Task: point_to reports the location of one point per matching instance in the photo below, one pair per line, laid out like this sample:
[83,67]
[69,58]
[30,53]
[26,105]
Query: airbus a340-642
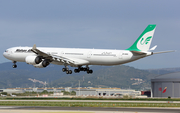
[41,57]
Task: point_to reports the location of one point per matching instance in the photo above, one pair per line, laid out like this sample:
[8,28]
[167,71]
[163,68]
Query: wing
[60,59]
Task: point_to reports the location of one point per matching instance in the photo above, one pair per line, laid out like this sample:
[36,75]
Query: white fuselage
[93,56]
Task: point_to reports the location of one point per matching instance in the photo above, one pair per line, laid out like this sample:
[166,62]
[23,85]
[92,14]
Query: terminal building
[107,92]
[79,91]
[167,85]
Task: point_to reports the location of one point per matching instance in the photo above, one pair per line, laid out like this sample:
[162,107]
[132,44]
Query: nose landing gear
[14,66]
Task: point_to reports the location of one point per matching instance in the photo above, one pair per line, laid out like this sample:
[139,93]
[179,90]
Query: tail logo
[145,41]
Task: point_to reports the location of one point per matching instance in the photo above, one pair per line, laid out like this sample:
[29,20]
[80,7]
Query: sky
[99,24]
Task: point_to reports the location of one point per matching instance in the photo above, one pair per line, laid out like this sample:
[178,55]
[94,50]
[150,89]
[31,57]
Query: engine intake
[37,61]
[45,63]
[42,64]
[32,60]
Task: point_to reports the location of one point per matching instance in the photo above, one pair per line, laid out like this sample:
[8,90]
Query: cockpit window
[6,50]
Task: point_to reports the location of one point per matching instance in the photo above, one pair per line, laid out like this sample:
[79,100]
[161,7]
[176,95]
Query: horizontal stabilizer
[163,52]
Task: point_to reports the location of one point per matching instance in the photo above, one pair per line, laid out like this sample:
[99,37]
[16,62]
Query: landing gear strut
[14,66]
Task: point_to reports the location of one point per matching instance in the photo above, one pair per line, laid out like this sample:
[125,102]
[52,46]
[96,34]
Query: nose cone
[5,54]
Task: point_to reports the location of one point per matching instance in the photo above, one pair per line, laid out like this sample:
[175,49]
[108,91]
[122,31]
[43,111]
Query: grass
[131,99]
[86,104]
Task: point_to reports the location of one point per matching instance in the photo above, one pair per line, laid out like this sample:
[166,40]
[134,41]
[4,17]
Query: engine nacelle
[43,64]
[33,60]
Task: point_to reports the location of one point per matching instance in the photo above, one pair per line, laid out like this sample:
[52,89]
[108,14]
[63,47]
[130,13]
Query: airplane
[41,57]
[3,95]
[13,95]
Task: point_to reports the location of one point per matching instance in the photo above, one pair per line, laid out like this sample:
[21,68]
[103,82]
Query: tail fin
[144,41]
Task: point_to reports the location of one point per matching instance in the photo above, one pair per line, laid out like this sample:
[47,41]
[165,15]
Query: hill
[163,70]
[18,77]
[103,76]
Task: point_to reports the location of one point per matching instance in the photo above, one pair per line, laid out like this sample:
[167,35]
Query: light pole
[79,87]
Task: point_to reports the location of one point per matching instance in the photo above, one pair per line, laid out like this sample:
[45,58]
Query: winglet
[34,47]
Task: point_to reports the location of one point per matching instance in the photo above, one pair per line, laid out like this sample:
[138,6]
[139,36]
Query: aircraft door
[89,54]
[62,53]
[120,55]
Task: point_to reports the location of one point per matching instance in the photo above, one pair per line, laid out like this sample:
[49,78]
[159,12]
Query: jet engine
[42,64]
[33,60]
[37,61]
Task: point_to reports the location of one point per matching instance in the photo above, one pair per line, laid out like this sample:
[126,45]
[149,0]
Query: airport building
[90,91]
[107,92]
[38,90]
[167,85]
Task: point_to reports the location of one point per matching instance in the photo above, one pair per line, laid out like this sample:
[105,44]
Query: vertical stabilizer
[144,41]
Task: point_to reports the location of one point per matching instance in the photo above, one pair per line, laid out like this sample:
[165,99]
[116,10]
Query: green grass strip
[131,99]
[86,104]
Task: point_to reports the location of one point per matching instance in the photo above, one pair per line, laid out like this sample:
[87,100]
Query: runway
[130,101]
[15,109]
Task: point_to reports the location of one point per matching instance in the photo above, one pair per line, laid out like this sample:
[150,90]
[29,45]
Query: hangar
[167,85]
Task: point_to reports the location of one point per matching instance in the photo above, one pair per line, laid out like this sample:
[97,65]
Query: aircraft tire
[14,66]
[70,72]
[76,70]
[67,72]
[91,71]
[63,69]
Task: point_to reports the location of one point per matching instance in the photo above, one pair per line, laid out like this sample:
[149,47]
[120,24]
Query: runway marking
[64,112]
[6,107]
[27,111]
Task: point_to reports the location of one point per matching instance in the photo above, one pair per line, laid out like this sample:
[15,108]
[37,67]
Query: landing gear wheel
[89,71]
[70,72]
[14,66]
[63,69]
[67,72]
[76,70]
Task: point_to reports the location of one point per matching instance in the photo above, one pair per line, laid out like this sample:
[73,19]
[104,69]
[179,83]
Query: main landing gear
[14,66]
[66,69]
[83,69]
